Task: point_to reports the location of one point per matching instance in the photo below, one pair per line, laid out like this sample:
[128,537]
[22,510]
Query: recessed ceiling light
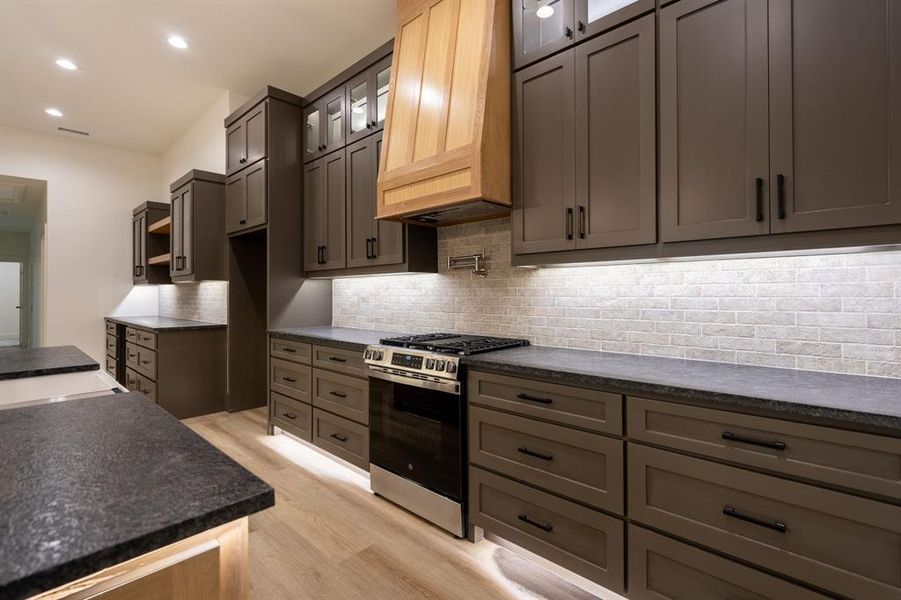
[544,12]
[176,41]
[53,112]
[65,63]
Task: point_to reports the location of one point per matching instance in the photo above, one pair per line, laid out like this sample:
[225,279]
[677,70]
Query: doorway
[13,314]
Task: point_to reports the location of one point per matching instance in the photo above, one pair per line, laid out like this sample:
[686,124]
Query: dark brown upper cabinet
[246,140]
[714,142]
[585,159]
[150,243]
[324,213]
[596,16]
[197,238]
[246,199]
[367,100]
[541,28]
[370,242]
[835,114]
[324,124]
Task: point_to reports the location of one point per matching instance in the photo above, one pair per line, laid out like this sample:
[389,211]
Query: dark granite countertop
[90,483]
[847,401]
[156,323]
[337,337]
[16,363]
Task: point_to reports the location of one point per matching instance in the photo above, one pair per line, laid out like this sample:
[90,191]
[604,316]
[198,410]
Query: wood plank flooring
[328,536]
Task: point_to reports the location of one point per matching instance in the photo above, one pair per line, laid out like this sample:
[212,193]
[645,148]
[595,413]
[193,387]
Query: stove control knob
[439,366]
[430,363]
[368,354]
[451,367]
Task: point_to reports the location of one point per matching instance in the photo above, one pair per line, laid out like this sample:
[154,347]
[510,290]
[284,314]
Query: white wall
[91,191]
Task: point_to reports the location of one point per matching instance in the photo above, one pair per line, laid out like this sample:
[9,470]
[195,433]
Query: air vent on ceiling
[12,193]
[75,131]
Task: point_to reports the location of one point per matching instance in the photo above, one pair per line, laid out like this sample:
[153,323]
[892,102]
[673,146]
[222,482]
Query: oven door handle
[448,387]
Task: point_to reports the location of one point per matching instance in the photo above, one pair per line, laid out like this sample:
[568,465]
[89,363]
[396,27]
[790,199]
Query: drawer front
[147,387]
[835,541]
[857,461]
[132,380]
[343,395]
[292,416]
[110,328]
[583,466]
[146,339]
[111,345]
[343,438]
[111,365]
[348,362]
[146,362]
[290,379]
[131,355]
[585,541]
[660,567]
[131,335]
[577,407]
[291,351]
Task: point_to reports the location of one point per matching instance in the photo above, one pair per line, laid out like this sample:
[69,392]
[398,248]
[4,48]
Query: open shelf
[164,225]
[162,259]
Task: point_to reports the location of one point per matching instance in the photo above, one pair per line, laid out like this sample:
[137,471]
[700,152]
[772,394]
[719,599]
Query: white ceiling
[135,91]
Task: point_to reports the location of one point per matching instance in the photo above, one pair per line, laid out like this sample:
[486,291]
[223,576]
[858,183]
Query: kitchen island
[111,497]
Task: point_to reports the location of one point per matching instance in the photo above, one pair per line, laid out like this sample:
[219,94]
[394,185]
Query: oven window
[415,433]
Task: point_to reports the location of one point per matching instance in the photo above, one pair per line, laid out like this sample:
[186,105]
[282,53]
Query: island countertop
[158,323]
[16,363]
[94,482]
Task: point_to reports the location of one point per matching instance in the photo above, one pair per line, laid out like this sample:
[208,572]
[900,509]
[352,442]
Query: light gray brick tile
[808,348]
[817,319]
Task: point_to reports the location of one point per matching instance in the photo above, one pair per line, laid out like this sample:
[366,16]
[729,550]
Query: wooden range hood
[446,151]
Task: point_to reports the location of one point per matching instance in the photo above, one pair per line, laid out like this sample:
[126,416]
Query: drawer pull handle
[534,399]
[289,415]
[291,350]
[775,445]
[290,379]
[339,437]
[543,526]
[338,394]
[337,359]
[535,453]
[145,362]
[775,525]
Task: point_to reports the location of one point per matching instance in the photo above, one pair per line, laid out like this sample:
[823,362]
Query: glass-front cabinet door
[333,106]
[595,16]
[380,80]
[540,28]
[359,124]
[312,134]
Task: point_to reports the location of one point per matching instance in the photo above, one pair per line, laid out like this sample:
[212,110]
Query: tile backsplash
[203,301]
[830,312]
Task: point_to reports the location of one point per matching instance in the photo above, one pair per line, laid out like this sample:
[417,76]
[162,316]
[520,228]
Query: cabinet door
[333,115]
[255,134]
[358,102]
[312,132]
[714,143]
[235,147]
[360,202]
[255,195]
[380,85]
[595,16]
[235,203]
[616,149]
[835,102]
[137,248]
[334,220]
[540,28]
[543,156]
[387,236]
[176,212]
[313,198]
[186,230]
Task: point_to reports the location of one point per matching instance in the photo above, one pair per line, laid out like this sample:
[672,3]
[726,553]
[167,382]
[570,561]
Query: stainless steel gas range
[417,422]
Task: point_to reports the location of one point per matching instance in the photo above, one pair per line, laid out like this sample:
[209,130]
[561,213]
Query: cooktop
[454,343]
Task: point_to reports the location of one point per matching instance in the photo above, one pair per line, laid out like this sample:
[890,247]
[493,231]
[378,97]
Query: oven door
[416,432]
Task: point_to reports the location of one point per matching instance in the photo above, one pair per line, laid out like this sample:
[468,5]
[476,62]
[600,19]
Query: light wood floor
[328,536]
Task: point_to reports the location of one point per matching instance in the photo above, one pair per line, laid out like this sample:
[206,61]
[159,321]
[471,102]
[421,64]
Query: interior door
[235,203]
[540,28]
[616,150]
[11,313]
[235,146]
[714,128]
[360,202]
[387,236]
[543,156]
[175,237]
[835,110]
[255,134]
[255,194]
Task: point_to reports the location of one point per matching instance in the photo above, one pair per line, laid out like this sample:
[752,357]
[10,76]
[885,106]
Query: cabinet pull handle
[774,525]
[569,223]
[534,399]
[758,183]
[568,32]
[374,253]
[338,394]
[324,254]
[288,349]
[775,445]
[243,221]
[581,26]
[337,359]
[368,248]
[339,437]
[581,221]
[543,526]
[289,379]
[289,415]
[780,192]
[535,453]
